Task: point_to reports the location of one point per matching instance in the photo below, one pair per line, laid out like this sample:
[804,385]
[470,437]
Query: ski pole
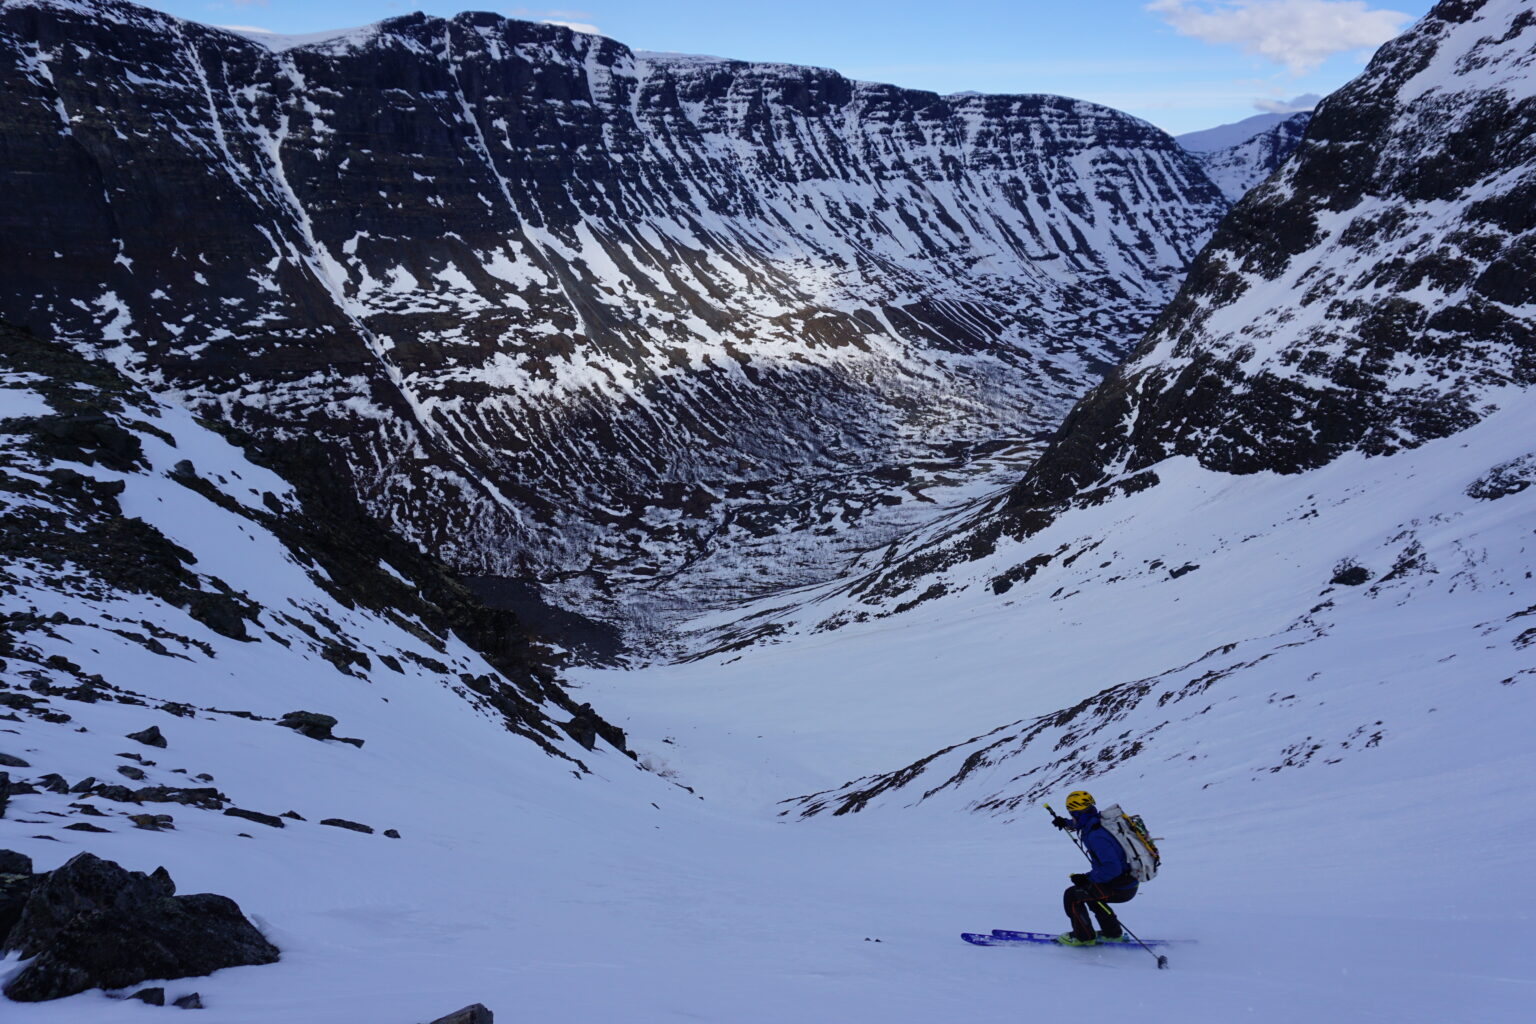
[1070,835]
[1162,961]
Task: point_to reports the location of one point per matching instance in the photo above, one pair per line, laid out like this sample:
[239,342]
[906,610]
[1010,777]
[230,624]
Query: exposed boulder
[150,737]
[587,726]
[84,883]
[1350,574]
[344,823]
[16,884]
[91,437]
[261,819]
[314,725]
[153,822]
[92,924]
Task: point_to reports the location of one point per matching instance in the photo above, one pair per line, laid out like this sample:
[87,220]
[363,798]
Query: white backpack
[1141,856]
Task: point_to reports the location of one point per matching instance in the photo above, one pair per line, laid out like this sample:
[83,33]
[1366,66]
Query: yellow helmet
[1079,799]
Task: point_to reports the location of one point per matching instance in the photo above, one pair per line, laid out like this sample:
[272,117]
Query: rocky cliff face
[563,309]
[1301,508]
[1377,293]
[149,562]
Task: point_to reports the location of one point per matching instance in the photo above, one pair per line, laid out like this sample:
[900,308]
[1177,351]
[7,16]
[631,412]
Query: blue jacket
[1108,859]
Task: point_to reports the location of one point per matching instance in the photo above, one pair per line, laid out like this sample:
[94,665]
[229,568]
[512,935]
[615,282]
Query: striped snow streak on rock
[560,308]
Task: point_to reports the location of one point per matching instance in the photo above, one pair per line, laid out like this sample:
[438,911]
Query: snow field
[1375,888]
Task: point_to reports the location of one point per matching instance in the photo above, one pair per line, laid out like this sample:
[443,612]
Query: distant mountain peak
[1225,136]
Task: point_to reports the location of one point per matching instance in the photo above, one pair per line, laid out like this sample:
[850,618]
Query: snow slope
[1320,891]
[1315,682]
[152,568]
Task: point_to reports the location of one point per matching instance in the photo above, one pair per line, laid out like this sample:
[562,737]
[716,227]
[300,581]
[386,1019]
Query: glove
[1065,824]
[1080,881]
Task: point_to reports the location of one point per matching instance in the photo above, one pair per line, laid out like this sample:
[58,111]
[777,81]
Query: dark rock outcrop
[475,1013]
[81,534]
[92,924]
[309,723]
[85,883]
[153,822]
[315,726]
[586,726]
[270,820]
[16,885]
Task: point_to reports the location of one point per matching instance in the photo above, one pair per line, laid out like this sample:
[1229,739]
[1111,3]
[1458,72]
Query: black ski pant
[1080,899]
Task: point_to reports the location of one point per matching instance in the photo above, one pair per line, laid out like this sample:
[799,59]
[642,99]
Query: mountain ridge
[565,313]
[1307,455]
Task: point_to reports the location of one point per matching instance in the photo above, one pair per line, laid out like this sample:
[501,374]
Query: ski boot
[1113,938]
[1068,939]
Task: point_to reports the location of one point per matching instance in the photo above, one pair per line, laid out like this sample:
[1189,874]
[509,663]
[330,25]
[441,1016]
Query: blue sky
[1181,64]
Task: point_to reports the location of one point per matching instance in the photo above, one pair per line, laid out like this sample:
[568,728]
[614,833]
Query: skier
[1108,881]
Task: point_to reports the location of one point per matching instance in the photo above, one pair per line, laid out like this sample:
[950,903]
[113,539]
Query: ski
[1006,937]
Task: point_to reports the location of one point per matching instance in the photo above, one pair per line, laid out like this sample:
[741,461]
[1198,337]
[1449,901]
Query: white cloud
[1306,101]
[1300,34]
[574,26]
[576,21]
